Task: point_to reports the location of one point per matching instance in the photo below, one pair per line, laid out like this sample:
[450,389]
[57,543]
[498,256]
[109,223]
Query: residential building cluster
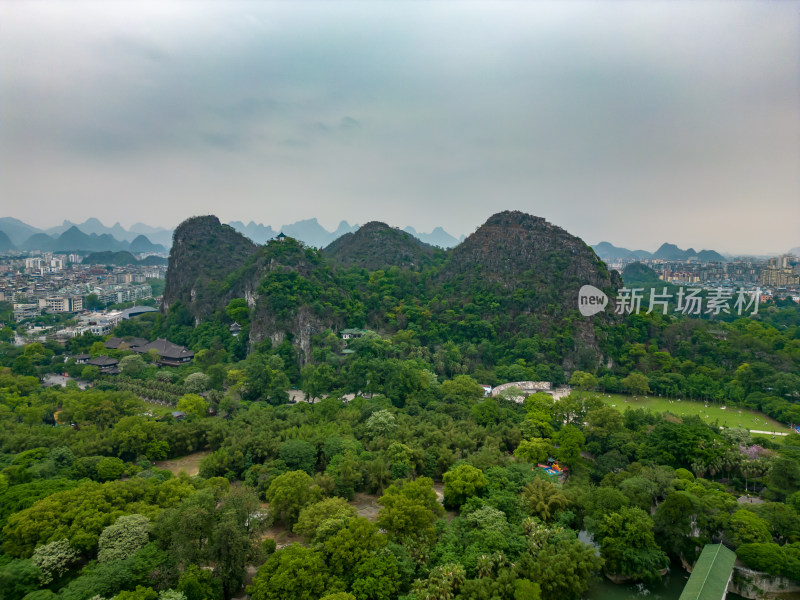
[52,283]
[778,276]
[96,323]
[781,272]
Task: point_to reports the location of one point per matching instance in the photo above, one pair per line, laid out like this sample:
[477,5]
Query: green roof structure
[711,574]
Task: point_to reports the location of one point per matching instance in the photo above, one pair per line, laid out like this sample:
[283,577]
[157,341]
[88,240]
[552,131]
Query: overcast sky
[632,122]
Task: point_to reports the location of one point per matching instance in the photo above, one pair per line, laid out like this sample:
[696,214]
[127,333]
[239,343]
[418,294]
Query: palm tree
[715,466]
[544,499]
[484,566]
[699,468]
[748,470]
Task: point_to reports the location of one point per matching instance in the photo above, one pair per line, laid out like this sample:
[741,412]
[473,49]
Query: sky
[631,122]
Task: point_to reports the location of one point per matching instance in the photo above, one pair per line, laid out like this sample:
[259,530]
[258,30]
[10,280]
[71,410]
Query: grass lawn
[728,417]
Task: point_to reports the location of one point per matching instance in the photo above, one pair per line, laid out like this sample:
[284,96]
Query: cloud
[633,122]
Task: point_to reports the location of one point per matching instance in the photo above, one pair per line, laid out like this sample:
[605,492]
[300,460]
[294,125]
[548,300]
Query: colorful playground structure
[553,468]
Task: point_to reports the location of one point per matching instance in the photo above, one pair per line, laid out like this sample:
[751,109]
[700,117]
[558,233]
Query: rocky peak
[204,252]
[376,245]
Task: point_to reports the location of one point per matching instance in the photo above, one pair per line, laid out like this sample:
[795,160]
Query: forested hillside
[376,467]
[515,278]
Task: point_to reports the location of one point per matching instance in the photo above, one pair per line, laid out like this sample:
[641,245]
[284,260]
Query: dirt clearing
[190,463]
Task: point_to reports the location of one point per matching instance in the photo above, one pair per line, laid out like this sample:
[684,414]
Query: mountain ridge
[375,245]
[666,251]
[517,275]
[76,240]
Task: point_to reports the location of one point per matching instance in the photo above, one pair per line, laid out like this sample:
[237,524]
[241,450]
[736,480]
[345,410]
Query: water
[669,588]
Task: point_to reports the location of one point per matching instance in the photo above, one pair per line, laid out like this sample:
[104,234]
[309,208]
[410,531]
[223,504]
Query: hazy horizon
[635,123]
[331,227]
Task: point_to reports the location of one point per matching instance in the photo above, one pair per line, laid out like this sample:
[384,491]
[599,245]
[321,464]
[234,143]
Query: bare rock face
[204,253]
[376,245]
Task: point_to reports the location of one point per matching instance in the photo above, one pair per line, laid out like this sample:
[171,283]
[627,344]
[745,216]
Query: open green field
[730,416]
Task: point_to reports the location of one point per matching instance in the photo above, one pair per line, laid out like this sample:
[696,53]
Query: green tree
[317,380]
[199,584]
[462,389]
[18,578]
[461,483]
[636,384]
[90,373]
[784,476]
[294,573]
[353,544]
[132,365]
[192,404]
[486,412]
[628,545]
[196,383]
[544,499]
[97,349]
[376,578]
[238,311]
[766,557]
[673,523]
[110,468]
[381,423]
[229,551]
[583,381]
[80,514]
[409,510]
[140,593]
[289,493]
[563,566]
[443,582]
[109,578]
[641,491]
[265,379]
[92,302]
[298,455]
[570,442]
[534,451]
[314,515]
[128,534]
[186,530]
[604,422]
[745,527]
[54,560]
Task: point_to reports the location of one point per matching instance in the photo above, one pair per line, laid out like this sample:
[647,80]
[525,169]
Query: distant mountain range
[16,235]
[609,252]
[437,237]
[89,236]
[92,235]
[310,232]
